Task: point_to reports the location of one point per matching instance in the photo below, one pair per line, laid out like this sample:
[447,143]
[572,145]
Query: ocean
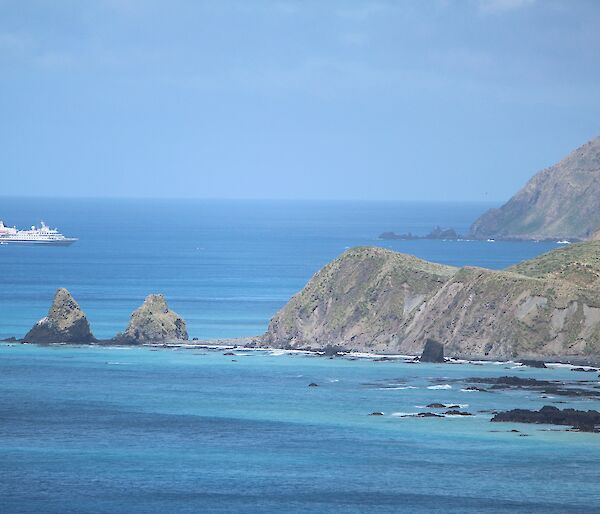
[147,430]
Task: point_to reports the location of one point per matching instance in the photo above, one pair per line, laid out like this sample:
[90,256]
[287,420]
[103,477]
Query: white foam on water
[441,386]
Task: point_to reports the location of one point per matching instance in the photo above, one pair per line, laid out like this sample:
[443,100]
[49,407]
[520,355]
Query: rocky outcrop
[432,352]
[153,322]
[371,299]
[560,202]
[579,419]
[65,323]
[359,301]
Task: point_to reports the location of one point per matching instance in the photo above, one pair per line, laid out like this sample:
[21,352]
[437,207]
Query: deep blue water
[154,431]
[225,266]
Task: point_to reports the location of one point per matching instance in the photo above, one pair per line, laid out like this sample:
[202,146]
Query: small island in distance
[438,232]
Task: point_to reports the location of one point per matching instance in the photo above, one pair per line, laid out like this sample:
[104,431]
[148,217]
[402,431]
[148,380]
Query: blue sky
[392,100]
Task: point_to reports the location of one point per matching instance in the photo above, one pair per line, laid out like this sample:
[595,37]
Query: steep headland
[560,202]
[370,299]
[358,301]
[65,323]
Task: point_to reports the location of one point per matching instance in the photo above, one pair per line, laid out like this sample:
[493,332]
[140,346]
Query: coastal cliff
[65,323]
[370,299]
[560,202]
[359,301]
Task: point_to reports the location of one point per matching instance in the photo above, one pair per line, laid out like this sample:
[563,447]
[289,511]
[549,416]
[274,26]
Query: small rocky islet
[152,322]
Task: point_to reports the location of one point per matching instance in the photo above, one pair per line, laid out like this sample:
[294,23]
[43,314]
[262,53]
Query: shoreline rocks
[586,421]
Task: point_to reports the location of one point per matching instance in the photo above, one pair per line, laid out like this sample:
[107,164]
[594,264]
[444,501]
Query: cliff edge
[371,299]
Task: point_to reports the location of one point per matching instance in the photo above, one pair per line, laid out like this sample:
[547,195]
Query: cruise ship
[42,236]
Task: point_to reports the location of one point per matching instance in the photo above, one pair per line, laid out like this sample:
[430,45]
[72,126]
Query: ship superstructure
[36,235]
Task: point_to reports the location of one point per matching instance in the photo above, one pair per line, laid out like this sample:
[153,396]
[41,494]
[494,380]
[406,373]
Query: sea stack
[433,351]
[65,323]
[154,322]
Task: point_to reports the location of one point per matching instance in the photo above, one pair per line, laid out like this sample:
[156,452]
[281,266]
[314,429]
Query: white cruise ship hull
[41,242]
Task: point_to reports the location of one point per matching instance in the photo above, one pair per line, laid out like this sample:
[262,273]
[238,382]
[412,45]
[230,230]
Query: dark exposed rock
[436,406]
[153,322]
[437,233]
[428,415]
[543,386]
[533,363]
[229,354]
[376,414]
[331,350]
[433,351]
[456,413]
[65,323]
[313,384]
[582,420]
[585,370]
[510,381]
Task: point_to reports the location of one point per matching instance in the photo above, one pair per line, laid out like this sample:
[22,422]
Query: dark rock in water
[585,370]
[437,233]
[153,322]
[457,413]
[312,384]
[229,353]
[543,386]
[333,350]
[429,415]
[510,381]
[376,414]
[433,351]
[65,323]
[436,406]
[585,421]
[533,363]
[385,359]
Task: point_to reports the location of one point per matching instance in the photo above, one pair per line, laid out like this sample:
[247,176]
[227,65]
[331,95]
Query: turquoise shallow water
[138,430]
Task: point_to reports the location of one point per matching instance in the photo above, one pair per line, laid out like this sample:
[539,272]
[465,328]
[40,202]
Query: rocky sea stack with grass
[65,323]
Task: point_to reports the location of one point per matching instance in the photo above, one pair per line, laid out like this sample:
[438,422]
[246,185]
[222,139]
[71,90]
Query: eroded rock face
[65,323]
[359,301]
[371,299]
[154,322]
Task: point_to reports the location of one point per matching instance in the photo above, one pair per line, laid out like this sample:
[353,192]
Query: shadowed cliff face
[65,323]
[560,202]
[372,299]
